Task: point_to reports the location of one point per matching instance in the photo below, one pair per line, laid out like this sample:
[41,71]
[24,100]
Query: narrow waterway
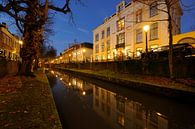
[84,103]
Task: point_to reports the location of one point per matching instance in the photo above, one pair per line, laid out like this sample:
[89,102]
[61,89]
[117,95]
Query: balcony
[121,45]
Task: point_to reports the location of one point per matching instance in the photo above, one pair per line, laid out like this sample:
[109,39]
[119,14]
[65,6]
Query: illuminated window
[139,36]
[121,24]
[138,52]
[96,57]
[121,38]
[97,37]
[139,16]
[153,9]
[108,45]
[121,119]
[154,47]
[97,48]
[154,31]
[102,47]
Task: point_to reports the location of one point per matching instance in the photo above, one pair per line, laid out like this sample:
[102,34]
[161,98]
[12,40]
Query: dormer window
[120,6]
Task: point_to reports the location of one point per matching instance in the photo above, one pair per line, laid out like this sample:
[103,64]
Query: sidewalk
[27,103]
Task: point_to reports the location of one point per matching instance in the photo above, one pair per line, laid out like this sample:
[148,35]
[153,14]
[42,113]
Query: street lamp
[146,28]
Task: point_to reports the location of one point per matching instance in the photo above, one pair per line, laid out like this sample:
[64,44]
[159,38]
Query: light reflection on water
[115,107]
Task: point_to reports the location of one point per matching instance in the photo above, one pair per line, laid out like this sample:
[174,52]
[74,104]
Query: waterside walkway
[27,103]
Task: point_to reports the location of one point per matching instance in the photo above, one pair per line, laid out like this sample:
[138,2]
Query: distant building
[121,36]
[9,44]
[81,52]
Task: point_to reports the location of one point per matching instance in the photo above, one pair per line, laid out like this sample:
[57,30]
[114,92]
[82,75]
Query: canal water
[84,103]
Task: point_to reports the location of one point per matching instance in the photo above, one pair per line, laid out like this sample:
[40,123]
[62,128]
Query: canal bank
[27,103]
[157,85]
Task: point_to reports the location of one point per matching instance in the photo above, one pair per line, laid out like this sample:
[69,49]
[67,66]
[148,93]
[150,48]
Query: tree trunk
[170,57]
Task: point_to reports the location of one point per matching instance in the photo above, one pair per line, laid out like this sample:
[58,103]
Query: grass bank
[27,103]
[154,84]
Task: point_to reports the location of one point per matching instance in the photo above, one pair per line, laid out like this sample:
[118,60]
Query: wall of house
[129,13]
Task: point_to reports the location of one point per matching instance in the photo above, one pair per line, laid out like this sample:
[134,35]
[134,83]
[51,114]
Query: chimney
[3,24]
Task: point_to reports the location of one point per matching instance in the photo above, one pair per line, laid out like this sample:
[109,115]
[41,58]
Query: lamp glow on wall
[146,29]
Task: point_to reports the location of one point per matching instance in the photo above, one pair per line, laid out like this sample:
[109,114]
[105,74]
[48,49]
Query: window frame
[121,24]
[154,31]
[121,37]
[139,32]
[139,16]
[97,37]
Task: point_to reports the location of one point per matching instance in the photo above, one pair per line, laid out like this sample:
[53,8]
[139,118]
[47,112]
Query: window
[121,38]
[108,31]
[108,45]
[138,52]
[96,57]
[154,47]
[139,16]
[102,34]
[139,36]
[102,47]
[97,48]
[153,9]
[121,24]
[154,31]
[97,37]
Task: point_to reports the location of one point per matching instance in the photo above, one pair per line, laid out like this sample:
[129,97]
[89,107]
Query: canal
[84,103]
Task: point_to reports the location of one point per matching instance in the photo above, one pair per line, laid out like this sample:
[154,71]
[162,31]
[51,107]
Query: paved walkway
[27,103]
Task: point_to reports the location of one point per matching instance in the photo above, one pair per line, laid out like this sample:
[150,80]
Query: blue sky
[89,16]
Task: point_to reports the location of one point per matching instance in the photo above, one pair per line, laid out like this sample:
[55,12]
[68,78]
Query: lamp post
[146,28]
[145,61]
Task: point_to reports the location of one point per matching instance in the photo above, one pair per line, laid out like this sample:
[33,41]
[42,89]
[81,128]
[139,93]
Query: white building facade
[121,36]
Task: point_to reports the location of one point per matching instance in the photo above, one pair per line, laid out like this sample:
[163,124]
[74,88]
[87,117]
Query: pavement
[27,103]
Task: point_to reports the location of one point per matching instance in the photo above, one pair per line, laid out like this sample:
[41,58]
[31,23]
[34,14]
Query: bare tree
[30,17]
[168,7]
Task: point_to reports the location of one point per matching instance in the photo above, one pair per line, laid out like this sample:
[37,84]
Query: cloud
[83,30]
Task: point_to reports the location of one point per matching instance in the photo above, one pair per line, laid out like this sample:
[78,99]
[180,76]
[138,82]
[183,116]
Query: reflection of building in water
[122,113]
[75,83]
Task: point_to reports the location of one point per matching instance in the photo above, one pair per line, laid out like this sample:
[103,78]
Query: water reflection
[121,108]
[122,113]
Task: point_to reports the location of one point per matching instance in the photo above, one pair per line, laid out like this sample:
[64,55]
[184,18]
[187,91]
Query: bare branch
[65,9]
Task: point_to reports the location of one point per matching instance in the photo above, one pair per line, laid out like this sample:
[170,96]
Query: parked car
[181,50]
